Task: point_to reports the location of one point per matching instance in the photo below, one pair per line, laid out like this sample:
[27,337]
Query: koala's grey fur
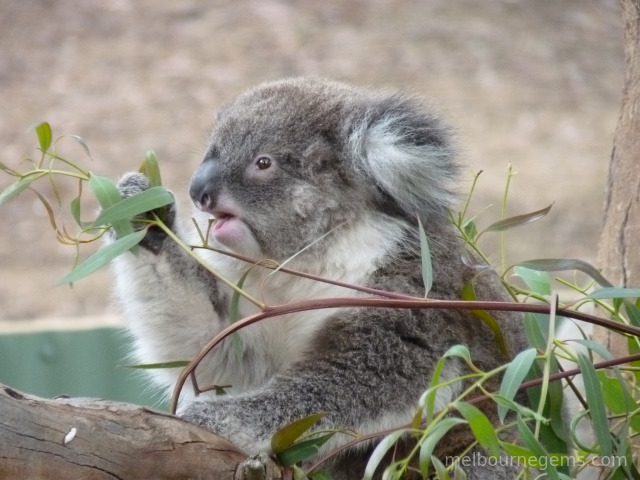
[361,165]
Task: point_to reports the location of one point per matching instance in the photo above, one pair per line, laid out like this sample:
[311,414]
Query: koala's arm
[170,300]
[361,371]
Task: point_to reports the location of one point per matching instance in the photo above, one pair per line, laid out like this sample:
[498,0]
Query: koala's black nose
[204,185]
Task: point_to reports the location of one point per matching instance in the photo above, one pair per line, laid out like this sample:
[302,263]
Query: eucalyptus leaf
[151,169]
[380,451]
[532,443]
[425,255]
[564,264]
[481,428]
[429,443]
[459,351]
[519,220]
[617,399]
[469,294]
[82,143]
[301,451]
[537,281]
[612,292]
[595,400]
[287,435]
[108,195]
[16,188]
[43,130]
[234,314]
[513,377]
[126,209]
[430,395]
[152,366]
[103,256]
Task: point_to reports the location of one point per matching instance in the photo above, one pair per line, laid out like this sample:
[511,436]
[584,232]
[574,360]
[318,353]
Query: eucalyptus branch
[272,265]
[262,306]
[306,305]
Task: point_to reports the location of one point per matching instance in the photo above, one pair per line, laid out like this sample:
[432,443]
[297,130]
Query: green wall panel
[78,363]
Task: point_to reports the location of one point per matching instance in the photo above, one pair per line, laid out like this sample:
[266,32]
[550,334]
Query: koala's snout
[204,186]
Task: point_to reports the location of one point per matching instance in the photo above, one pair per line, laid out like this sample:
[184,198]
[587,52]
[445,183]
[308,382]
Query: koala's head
[290,160]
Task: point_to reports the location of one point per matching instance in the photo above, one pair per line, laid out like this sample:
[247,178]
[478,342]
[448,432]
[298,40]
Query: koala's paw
[257,467]
[134,183]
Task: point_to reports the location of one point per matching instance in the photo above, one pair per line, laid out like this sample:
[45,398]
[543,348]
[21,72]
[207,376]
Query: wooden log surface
[97,439]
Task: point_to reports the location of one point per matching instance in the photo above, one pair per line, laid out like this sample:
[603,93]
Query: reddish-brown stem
[277,310]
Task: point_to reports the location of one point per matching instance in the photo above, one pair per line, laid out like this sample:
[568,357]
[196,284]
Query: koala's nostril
[205,185]
[205,201]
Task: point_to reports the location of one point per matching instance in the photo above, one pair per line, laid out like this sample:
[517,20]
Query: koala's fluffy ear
[406,152]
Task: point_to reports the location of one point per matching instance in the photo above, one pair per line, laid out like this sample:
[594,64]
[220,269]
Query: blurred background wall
[534,82]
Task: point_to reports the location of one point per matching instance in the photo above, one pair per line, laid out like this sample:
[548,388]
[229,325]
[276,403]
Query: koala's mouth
[220,219]
[227,228]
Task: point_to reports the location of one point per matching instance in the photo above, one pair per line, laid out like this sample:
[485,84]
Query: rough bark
[95,439]
[619,252]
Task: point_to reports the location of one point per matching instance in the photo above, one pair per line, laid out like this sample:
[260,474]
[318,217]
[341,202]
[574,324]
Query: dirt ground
[534,83]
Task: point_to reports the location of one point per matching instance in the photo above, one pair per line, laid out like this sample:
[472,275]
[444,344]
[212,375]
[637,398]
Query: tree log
[97,439]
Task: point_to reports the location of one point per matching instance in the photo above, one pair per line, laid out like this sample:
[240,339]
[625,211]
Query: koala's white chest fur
[177,327]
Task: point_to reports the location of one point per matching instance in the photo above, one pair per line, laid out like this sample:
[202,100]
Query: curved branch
[273,311]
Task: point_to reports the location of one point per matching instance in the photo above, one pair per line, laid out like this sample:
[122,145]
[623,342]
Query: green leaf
[617,398]
[425,255]
[595,400]
[518,220]
[563,264]
[611,292]
[16,188]
[459,351]
[513,377]
[430,395]
[302,450]
[470,230]
[536,328]
[152,366]
[128,208]
[107,195]
[429,443]
[75,212]
[481,428]
[536,280]
[469,294]
[43,131]
[150,169]
[458,473]
[318,475]
[441,470]
[234,314]
[380,451]
[287,435]
[537,449]
[103,256]
[521,409]
[520,453]
[82,143]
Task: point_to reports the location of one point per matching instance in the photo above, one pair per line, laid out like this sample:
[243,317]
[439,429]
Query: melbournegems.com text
[478,459]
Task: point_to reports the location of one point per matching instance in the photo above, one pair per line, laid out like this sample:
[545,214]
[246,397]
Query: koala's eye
[263,162]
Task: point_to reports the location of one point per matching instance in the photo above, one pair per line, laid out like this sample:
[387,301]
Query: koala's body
[335,177]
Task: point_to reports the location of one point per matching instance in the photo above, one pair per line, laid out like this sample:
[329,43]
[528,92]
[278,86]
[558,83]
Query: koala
[332,179]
